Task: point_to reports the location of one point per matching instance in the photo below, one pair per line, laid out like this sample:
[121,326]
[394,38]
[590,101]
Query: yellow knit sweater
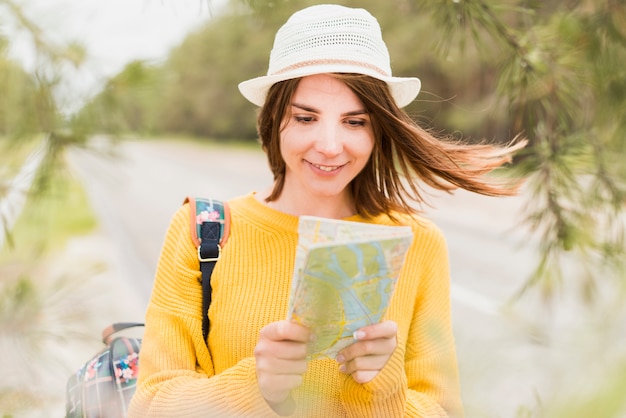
[180,377]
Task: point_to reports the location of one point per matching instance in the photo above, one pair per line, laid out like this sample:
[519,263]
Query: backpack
[104,385]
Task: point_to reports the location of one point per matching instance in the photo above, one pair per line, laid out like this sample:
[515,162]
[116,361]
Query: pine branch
[546,85]
[73,54]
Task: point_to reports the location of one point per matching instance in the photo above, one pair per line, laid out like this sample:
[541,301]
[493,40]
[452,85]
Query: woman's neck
[335,207]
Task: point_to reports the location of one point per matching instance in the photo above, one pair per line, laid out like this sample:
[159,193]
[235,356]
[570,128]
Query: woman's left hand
[368,355]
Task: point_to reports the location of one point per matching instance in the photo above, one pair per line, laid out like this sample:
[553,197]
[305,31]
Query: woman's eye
[356,122]
[304,119]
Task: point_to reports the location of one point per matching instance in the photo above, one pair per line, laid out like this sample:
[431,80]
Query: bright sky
[115,32]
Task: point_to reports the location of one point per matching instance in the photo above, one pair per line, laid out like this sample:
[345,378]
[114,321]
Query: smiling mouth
[327,168]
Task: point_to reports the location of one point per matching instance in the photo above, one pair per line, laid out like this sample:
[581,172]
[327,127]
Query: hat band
[312,63]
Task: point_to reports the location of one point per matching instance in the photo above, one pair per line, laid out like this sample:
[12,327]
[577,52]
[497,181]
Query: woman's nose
[329,141]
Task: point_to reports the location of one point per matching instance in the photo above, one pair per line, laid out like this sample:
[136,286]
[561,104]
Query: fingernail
[342,368]
[340,358]
[358,335]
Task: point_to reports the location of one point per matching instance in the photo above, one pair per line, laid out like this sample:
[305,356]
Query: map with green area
[343,284]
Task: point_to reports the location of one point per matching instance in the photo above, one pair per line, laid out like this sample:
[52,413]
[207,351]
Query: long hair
[404,154]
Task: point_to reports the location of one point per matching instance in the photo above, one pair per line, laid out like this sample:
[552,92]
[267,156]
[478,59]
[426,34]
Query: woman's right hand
[281,361]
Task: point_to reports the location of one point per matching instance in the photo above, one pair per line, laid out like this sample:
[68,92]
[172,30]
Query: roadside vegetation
[43,308]
[51,217]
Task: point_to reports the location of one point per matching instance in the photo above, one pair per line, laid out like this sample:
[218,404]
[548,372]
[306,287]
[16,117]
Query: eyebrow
[314,110]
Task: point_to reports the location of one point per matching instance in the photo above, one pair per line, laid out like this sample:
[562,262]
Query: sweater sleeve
[176,374]
[421,378]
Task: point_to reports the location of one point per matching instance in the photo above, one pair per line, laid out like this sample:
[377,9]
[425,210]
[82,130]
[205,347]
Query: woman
[339,147]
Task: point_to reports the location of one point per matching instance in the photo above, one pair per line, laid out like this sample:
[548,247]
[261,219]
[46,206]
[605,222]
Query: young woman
[339,147]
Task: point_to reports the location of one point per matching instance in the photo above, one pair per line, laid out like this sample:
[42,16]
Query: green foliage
[195,91]
[551,71]
[41,310]
[32,104]
[129,102]
[51,217]
[209,63]
[25,105]
[31,101]
[564,90]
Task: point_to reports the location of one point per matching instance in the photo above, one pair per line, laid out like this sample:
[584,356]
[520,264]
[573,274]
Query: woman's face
[327,139]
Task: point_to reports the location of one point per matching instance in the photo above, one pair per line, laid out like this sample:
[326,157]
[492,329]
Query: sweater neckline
[268,216]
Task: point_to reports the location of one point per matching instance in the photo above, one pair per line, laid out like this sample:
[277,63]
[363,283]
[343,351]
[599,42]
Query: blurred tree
[128,102]
[31,104]
[34,313]
[201,98]
[550,70]
[563,81]
[19,92]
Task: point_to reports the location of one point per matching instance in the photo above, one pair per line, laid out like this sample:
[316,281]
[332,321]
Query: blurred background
[112,112]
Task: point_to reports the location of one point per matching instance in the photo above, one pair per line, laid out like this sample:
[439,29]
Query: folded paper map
[344,276]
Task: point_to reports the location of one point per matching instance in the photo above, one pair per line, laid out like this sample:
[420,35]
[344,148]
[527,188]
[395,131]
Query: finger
[380,346]
[385,329]
[365,363]
[280,366]
[364,376]
[286,331]
[287,350]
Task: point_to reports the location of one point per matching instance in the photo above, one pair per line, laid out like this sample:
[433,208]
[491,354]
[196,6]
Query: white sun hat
[330,39]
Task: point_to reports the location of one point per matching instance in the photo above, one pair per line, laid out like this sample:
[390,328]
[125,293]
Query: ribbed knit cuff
[256,406]
[385,395]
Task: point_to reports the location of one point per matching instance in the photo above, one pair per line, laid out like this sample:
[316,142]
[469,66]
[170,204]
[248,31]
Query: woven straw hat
[330,39]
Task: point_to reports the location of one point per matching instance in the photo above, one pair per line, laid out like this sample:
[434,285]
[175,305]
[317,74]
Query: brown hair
[403,153]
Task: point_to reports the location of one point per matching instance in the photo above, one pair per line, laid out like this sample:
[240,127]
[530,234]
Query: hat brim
[403,89]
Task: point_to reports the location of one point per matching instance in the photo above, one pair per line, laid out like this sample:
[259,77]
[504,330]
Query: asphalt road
[513,358]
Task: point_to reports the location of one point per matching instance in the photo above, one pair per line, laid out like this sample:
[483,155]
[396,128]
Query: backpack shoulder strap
[209,223]
[202,210]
